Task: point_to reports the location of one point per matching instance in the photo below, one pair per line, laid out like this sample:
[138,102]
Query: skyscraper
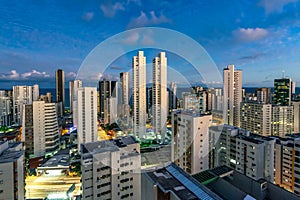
[172,96]
[159,94]
[124,81]
[111,169]
[60,87]
[139,94]
[108,95]
[74,85]
[87,127]
[40,132]
[232,95]
[282,92]
[22,95]
[263,95]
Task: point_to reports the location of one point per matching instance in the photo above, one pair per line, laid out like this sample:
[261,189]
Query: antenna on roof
[283,74]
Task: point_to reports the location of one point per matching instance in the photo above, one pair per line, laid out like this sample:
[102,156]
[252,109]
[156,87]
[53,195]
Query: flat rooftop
[12,153]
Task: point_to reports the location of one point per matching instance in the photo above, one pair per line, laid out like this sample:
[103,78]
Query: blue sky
[37,37]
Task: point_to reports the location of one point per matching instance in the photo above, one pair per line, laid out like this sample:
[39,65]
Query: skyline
[260,38]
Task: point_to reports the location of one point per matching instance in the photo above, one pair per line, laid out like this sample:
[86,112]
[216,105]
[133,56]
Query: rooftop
[11,153]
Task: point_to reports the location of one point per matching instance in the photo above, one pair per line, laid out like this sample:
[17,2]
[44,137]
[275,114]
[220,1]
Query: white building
[139,95]
[282,120]
[123,106]
[40,129]
[23,95]
[190,149]
[111,169]
[190,101]
[232,95]
[249,154]
[296,108]
[217,99]
[159,94]
[257,117]
[5,108]
[74,85]
[87,128]
[11,171]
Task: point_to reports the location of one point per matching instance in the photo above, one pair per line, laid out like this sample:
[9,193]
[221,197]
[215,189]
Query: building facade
[60,87]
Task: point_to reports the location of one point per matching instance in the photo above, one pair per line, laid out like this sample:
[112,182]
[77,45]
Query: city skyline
[260,37]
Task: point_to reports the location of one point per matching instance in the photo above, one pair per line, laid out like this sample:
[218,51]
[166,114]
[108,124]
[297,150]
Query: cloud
[144,20]
[109,9]
[114,67]
[250,34]
[252,57]
[275,6]
[13,74]
[34,74]
[88,16]
[134,38]
[71,75]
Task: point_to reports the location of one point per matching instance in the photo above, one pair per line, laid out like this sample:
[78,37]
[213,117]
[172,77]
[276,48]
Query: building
[190,101]
[108,96]
[6,108]
[60,87]
[172,96]
[263,95]
[217,99]
[256,117]
[287,162]
[87,128]
[159,94]
[296,108]
[40,132]
[139,111]
[11,171]
[282,92]
[47,98]
[189,149]
[282,120]
[230,184]
[111,169]
[171,182]
[22,95]
[74,85]
[232,95]
[249,154]
[123,107]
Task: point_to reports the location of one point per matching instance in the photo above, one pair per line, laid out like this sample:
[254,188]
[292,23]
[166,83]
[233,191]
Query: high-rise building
[217,100]
[190,101]
[139,95]
[282,120]
[5,108]
[296,108]
[282,92]
[60,87]
[257,117]
[189,149]
[74,85]
[87,128]
[22,95]
[111,169]
[172,96]
[11,171]
[40,132]
[249,154]
[159,94]
[108,95]
[263,95]
[124,85]
[232,95]
[287,163]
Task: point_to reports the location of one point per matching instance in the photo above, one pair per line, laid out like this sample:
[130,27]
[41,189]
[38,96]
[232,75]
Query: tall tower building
[74,85]
[139,94]
[172,96]
[111,169]
[232,95]
[60,87]
[22,95]
[282,92]
[189,146]
[124,80]
[40,132]
[5,108]
[108,95]
[159,94]
[87,127]
[282,120]
[263,95]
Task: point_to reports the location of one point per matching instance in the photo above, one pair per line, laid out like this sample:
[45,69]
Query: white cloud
[272,6]
[250,34]
[131,38]
[109,9]
[144,20]
[71,75]
[35,74]
[88,16]
[14,74]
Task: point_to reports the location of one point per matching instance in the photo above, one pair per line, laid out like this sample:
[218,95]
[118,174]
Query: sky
[262,38]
